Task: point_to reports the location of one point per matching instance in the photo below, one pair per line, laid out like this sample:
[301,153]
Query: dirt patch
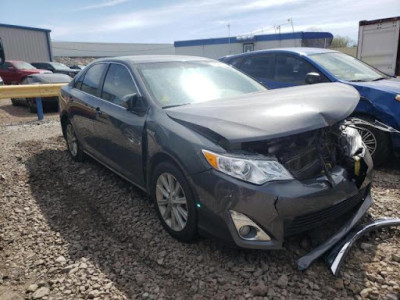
[77,231]
[10,114]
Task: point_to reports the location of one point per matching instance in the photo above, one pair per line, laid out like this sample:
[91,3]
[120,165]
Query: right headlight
[257,171]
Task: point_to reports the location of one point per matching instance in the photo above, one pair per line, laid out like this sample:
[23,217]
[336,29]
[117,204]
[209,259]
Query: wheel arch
[158,158]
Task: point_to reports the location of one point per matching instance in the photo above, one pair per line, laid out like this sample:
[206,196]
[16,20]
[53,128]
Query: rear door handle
[98,111]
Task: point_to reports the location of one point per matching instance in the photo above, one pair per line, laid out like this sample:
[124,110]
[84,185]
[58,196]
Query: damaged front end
[312,154]
[321,152]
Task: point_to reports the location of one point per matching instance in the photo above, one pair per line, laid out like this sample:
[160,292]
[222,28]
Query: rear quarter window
[235,62]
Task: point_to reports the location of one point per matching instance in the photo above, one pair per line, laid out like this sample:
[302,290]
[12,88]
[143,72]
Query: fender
[366,107]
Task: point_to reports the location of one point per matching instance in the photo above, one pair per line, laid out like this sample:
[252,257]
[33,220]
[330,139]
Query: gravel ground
[77,231]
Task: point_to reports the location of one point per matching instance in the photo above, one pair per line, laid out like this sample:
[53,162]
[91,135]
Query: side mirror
[11,68]
[133,103]
[313,77]
[2,56]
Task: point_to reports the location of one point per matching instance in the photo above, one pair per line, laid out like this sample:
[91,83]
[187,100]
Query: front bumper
[278,208]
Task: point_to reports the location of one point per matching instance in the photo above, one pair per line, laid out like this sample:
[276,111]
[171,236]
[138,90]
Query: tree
[342,42]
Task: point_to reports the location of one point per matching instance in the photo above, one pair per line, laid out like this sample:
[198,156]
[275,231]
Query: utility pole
[229,37]
[291,23]
[290,20]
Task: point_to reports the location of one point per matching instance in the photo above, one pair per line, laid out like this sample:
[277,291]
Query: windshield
[21,65]
[178,83]
[59,65]
[345,67]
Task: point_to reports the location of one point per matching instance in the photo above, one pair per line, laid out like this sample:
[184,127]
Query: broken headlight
[353,144]
[252,170]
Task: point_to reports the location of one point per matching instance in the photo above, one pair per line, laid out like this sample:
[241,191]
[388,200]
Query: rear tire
[377,141]
[174,202]
[73,145]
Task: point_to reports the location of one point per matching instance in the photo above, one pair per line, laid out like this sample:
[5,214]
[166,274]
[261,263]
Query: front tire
[377,142]
[174,202]
[73,145]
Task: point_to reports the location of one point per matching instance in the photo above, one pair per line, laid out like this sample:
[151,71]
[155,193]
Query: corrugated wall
[85,49]
[25,44]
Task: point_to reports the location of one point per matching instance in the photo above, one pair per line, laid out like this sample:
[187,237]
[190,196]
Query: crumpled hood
[391,85]
[273,113]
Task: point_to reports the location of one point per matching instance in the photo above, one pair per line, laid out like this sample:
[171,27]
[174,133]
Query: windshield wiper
[379,78]
[357,80]
[175,105]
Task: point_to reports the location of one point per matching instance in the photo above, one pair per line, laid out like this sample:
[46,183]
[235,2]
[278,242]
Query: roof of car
[154,58]
[297,50]
[53,77]
[14,61]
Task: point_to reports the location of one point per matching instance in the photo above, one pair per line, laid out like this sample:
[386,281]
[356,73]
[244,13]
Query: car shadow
[114,226]
[22,110]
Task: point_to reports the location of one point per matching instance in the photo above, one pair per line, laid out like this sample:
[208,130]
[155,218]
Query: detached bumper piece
[341,242]
[305,261]
[337,255]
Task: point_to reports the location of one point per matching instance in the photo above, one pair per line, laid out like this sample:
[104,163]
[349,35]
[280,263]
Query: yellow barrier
[30,90]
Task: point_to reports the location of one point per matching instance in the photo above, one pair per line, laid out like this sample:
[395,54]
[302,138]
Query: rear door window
[259,66]
[91,81]
[118,85]
[292,69]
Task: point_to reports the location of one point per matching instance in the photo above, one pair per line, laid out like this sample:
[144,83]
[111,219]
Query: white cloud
[192,19]
[106,3]
[261,4]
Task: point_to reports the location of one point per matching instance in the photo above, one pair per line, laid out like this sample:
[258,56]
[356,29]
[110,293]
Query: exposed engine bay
[311,154]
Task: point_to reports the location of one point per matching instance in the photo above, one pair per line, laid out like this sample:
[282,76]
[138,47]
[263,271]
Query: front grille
[314,219]
[302,163]
[309,154]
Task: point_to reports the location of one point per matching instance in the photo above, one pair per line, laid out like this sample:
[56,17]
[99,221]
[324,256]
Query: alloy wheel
[72,141]
[171,201]
[369,139]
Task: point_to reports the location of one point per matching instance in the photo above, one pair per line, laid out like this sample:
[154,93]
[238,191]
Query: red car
[14,71]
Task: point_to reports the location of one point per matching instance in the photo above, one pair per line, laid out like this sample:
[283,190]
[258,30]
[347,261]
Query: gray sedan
[218,153]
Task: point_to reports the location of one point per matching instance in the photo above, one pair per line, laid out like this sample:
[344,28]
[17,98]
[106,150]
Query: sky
[160,21]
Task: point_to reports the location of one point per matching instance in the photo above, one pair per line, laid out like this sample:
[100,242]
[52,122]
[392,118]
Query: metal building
[218,47]
[86,49]
[26,43]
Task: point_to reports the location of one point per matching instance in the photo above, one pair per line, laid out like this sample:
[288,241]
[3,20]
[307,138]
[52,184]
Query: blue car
[380,93]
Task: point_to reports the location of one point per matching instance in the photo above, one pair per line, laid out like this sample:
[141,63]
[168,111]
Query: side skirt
[116,172]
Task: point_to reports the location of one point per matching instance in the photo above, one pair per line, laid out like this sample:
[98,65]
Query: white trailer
[218,47]
[378,44]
